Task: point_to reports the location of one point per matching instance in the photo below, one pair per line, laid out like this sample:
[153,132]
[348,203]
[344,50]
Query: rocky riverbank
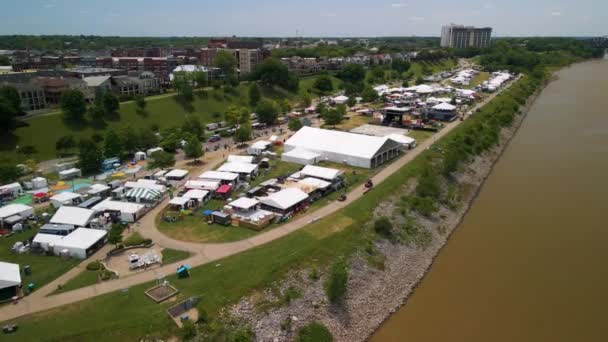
[377,286]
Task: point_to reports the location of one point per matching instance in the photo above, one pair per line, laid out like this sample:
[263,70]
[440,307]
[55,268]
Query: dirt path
[204,253]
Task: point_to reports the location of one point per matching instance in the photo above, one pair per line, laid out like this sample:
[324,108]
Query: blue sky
[309,17]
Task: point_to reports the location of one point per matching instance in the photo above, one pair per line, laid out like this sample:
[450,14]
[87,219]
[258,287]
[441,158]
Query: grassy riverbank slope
[131,315]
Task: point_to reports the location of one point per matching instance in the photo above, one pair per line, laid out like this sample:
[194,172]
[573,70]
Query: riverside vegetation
[423,188]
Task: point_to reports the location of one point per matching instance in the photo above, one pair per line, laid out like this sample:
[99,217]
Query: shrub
[336,285]
[188,330]
[314,332]
[94,266]
[136,239]
[383,227]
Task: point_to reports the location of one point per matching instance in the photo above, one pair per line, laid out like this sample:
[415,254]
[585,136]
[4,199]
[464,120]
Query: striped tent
[143,194]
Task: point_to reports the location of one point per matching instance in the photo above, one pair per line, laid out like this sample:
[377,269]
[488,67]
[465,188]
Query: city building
[462,37]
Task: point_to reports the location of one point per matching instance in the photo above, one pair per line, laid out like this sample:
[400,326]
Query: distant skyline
[276,18]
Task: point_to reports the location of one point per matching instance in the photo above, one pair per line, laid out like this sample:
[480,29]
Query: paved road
[204,253]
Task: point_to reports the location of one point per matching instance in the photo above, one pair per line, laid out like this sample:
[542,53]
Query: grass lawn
[131,315]
[44,268]
[355,120]
[307,82]
[420,136]
[43,131]
[173,255]
[84,278]
[478,79]
[435,67]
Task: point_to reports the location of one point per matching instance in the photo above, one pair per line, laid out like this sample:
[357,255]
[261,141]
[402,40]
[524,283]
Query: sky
[309,18]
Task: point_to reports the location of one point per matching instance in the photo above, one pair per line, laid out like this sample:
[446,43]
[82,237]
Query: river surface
[530,260]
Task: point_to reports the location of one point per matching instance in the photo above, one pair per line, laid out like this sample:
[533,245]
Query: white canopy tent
[238,167]
[129,212]
[65,198]
[240,159]
[301,156]
[180,201]
[244,203]
[219,176]
[176,174]
[284,199]
[16,209]
[74,216]
[444,107]
[10,275]
[81,242]
[325,173]
[197,195]
[209,185]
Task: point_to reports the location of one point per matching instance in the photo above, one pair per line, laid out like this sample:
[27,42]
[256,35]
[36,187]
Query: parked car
[214,138]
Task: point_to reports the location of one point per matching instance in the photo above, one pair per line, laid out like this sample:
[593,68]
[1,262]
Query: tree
[110,103]
[321,108]
[323,84]
[333,117]
[193,125]
[235,115]
[226,62]
[200,78]
[129,139]
[96,114]
[369,94]
[352,101]
[377,74]
[65,143]
[193,148]
[254,94]
[267,111]
[352,73]
[4,60]
[400,65]
[12,96]
[90,156]
[243,133]
[284,105]
[336,284]
[181,83]
[9,172]
[140,103]
[147,138]
[8,120]
[306,100]
[383,227]
[161,159]
[271,72]
[171,139]
[419,80]
[28,150]
[294,124]
[115,234]
[73,105]
[113,146]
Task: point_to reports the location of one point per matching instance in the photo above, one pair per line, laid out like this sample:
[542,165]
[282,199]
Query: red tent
[224,189]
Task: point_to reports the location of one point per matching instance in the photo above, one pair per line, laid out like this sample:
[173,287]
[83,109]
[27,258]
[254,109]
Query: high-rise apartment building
[461,37]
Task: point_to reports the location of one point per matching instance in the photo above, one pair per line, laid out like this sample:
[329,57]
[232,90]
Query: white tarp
[16,209]
[196,194]
[218,175]
[244,203]
[9,275]
[314,183]
[444,107]
[176,174]
[74,216]
[97,188]
[240,159]
[238,167]
[179,201]
[64,198]
[402,139]
[300,156]
[320,172]
[210,185]
[285,198]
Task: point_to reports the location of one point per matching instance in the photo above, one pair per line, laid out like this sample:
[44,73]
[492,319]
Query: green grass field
[44,268]
[84,278]
[130,315]
[307,82]
[164,111]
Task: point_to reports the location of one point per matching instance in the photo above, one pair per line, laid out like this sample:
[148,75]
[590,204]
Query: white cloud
[556,14]
[398,5]
[417,18]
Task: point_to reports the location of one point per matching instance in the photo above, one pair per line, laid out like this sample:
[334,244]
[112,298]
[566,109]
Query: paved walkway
[203,253]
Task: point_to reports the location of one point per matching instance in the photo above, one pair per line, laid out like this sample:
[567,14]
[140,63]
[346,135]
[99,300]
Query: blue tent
[207,212]
[183,271]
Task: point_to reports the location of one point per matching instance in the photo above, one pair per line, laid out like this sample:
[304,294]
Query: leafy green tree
[110,103]
[9,172]
[323,84]
[383,227]
[147,138]
[4,60]
[200,78]
[96,114]
[112,146]
[140,103]
[294,124]
[254,94]
[369,94]
[193,148]
[400,65]
[243,133]
[352,73]
[271,72]
[65,143]
[337,282]
[90,156]
[419,80]
[161,159]
[227,63]
[306,100]
[377,74]
[129,139]
[333,117]
[8,120]
[321,108]
[170,141]
[11,95]
[267,111]
[193,125]
[285,105]
[352,101]
[115,234]
[73,105]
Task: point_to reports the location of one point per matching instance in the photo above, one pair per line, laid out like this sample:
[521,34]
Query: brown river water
[530,260]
